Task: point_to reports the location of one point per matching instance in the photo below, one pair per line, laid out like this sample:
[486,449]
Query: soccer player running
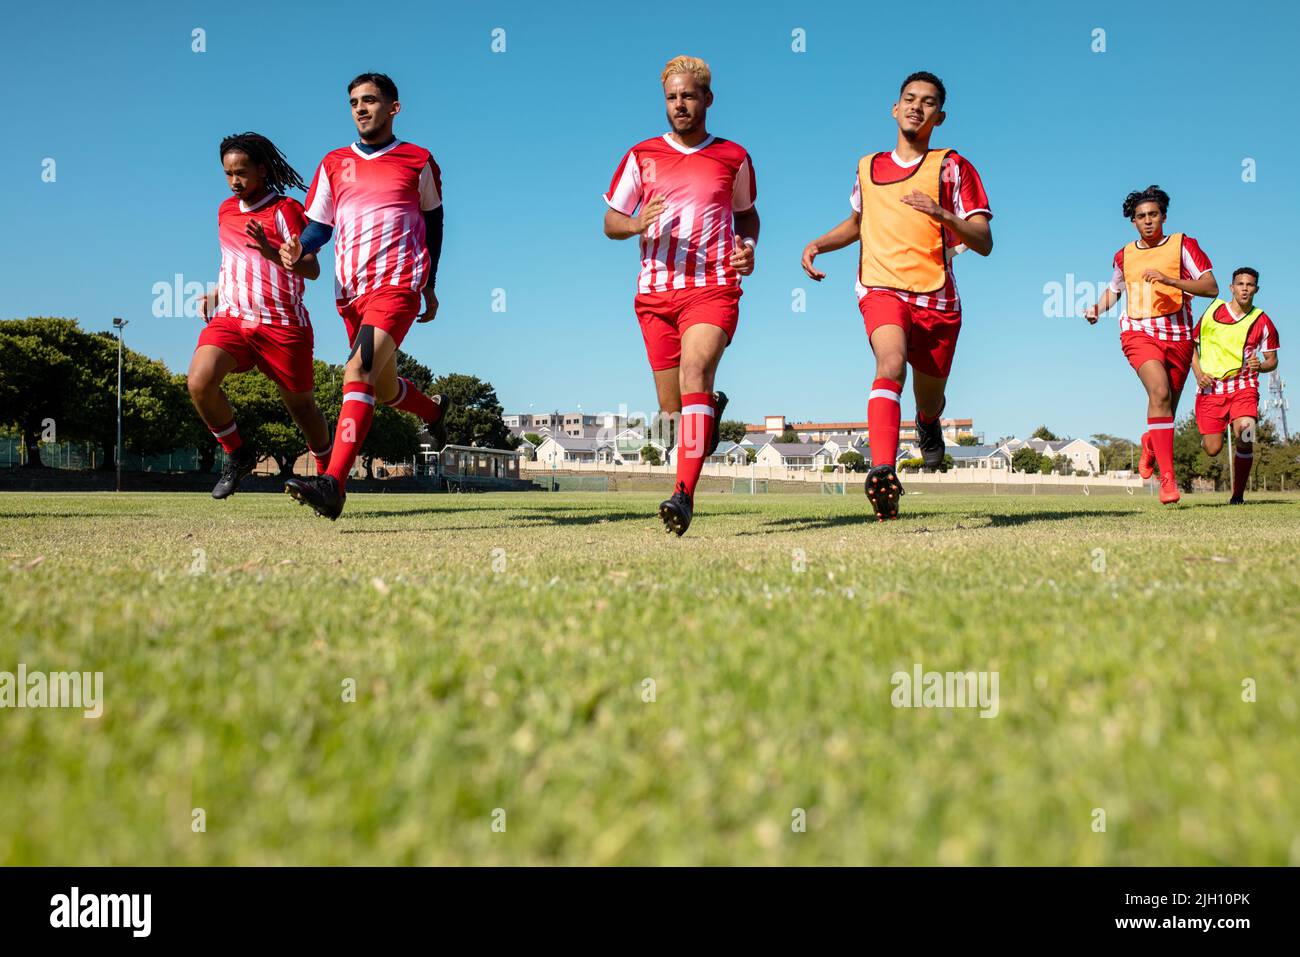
[1229,338]
[255,317]
[689,196]
[913,209]
[1161,274]
[385,197]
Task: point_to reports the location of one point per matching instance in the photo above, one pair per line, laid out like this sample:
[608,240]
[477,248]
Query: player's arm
[621,226]
[1203,380]
[1107,299]
[1266,364]
[845,234]
[973,232]
[208,305]
[1203,285]
[746,232]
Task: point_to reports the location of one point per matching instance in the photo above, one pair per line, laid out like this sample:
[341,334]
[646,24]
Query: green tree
[789,436]
[1044,433]
[475,417]
[1062,465]
[650,455]
[1115,453]
[852,461]
[731,430]
[750,455]
[967,438]
[533,437]
[264,423]
[1026,460]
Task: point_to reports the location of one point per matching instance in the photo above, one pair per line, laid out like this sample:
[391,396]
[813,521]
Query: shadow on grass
[866,517]
[4,515]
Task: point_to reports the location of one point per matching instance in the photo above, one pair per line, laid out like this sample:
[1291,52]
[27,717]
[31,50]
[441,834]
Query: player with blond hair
[688,196]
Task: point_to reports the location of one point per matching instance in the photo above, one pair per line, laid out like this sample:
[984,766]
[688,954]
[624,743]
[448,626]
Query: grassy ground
[501,645]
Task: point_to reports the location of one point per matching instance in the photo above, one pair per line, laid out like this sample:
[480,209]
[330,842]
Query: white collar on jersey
[245,208]
[905,164]
[369,156]
[668,138]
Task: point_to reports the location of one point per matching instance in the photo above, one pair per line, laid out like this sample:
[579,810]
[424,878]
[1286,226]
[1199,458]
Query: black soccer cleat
[239,464]
[676,512]
[1237,500]
[437,429]
[321,492]
[883,491]
[719,406]
[929,438]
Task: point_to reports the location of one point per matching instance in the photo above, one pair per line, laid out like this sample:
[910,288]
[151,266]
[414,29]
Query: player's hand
[259,241]
[1155,275]
[205,307]
[742,257]
[290,252]
[651,209]
[1091,314]
[1203,380]
[924,204]
[430,305]
[809,254]
[1253,363]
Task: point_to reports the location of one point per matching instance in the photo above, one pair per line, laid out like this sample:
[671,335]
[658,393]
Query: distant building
[953,429]
[789,455]
[560,451]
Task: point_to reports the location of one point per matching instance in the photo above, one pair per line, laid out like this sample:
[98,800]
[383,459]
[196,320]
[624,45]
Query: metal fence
[85,455]
[572,483]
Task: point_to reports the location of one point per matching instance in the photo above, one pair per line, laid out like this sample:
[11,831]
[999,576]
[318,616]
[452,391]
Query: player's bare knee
[1212,444]
[891,367]
[200,384]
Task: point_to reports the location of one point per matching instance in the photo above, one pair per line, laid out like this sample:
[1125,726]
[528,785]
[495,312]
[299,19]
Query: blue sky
[528,139]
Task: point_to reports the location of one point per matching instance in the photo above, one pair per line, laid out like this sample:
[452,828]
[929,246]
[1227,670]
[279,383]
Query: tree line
[58,383]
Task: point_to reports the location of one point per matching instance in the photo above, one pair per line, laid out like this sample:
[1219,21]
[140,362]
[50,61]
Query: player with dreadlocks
[1160,273]
[255,317]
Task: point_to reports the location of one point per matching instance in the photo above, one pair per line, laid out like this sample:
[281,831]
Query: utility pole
[1277,400]
[119,324]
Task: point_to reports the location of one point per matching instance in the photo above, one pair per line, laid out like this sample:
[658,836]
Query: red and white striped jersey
[963,195]
[375,202]
[1176,327]
[702,186]
[250,286]
[1261,338]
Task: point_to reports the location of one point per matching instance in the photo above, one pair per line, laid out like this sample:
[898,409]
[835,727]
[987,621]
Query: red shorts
[664,316]
[388,308]
[282,352]
[931,333]
[1214,410]
[1176,357]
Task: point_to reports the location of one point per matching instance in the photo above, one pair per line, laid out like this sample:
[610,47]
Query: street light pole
[119,324]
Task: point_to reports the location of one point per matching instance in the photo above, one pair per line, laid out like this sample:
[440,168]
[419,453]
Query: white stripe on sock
[1160,425]
[225,432]
[886,394]
[365,397]
[1245,455]
[697,410]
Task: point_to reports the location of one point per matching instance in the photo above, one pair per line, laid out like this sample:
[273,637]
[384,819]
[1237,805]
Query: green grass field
[500,647]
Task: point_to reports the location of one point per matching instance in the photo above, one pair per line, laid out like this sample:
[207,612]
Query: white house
[560,451]
[629,443]
[1083,455]
[788,455]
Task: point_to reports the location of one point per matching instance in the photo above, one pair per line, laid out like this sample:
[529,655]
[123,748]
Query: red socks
[1161,428]
[694,434]
[412,400]
[355,416]
[322,458]
[228,436]
[1241,463]
[884,409]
